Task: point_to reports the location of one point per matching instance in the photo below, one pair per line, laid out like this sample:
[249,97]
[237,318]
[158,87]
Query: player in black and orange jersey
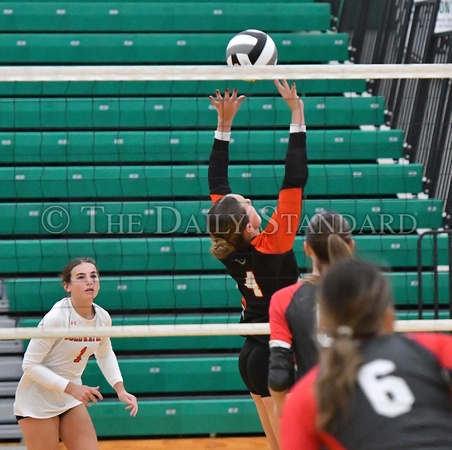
[261,262]
[293,324]
[373,389]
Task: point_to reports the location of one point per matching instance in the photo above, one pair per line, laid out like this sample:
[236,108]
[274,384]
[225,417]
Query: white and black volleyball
[251,48]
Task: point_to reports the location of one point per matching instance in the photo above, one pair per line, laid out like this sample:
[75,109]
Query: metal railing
[420,266]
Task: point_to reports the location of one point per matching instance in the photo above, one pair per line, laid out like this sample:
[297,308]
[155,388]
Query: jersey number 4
[251,283]
[389,395]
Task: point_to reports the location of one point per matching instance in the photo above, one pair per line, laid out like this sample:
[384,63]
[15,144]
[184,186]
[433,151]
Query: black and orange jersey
[268,263]
[401,400]
[293,344]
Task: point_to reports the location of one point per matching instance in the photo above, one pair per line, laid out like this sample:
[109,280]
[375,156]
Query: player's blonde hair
[226,221]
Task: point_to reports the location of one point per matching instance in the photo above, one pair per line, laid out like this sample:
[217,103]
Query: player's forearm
[281,366]
[109,366]
[45,377]
[296,167]
[33,367]
[224,126]
[218,167]
[298,114]
[278,399]
[119,388]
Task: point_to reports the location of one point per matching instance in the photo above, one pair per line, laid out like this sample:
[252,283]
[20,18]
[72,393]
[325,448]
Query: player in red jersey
[373,389]
[293,343]
[260,262]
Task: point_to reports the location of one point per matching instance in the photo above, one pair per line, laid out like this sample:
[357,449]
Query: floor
[235,443]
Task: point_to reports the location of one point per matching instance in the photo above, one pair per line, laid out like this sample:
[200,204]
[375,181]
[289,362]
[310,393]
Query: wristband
[297,128]
[223,135]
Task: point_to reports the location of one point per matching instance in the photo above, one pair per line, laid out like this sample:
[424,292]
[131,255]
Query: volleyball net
[111,162]
[218,72]
[140,331]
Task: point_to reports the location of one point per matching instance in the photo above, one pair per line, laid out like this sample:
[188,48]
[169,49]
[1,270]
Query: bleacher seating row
[163,112]
[179,217]
[170,48]
[160,17]
[138,254]
[182,181]
[189,416]
[179,293]
[201,88]
[29,147]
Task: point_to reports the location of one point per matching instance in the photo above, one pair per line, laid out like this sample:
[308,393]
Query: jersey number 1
[79,357]
[390,396]
[251,283]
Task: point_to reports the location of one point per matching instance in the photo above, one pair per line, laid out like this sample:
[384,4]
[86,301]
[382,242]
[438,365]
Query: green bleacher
[28,147]
[170,48]
[169,181]
[163,375]
[178,217]
[176,88]
[138,294]
[117,170]
[210,415]
[154,17]
[140,254]
[161,112]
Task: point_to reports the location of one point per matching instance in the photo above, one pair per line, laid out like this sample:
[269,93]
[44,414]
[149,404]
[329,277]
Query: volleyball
[251,48]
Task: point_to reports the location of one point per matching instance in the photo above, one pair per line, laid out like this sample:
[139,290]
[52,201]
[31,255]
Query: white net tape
[189,330]
[174,73]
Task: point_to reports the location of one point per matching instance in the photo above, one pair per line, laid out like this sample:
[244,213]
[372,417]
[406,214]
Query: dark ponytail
[354,297]
[329,235]
[338,249]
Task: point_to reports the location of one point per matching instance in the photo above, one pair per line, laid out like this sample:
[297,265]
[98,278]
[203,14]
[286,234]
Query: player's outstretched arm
[226,107]
[290,96]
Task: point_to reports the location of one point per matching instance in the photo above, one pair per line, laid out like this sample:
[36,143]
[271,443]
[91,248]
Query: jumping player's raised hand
[290,96]
[226,107]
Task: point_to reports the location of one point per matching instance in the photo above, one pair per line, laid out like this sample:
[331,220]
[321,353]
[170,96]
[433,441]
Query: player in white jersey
[50,398]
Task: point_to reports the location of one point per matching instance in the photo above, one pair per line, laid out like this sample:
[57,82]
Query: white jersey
[50,364]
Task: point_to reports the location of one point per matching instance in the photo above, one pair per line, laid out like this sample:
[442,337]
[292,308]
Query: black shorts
[253,366]
[28,417]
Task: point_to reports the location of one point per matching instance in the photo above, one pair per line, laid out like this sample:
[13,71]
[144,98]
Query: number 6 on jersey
[389,395]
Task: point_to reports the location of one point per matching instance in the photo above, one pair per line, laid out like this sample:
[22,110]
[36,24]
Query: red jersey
[402,400]
[293,342]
